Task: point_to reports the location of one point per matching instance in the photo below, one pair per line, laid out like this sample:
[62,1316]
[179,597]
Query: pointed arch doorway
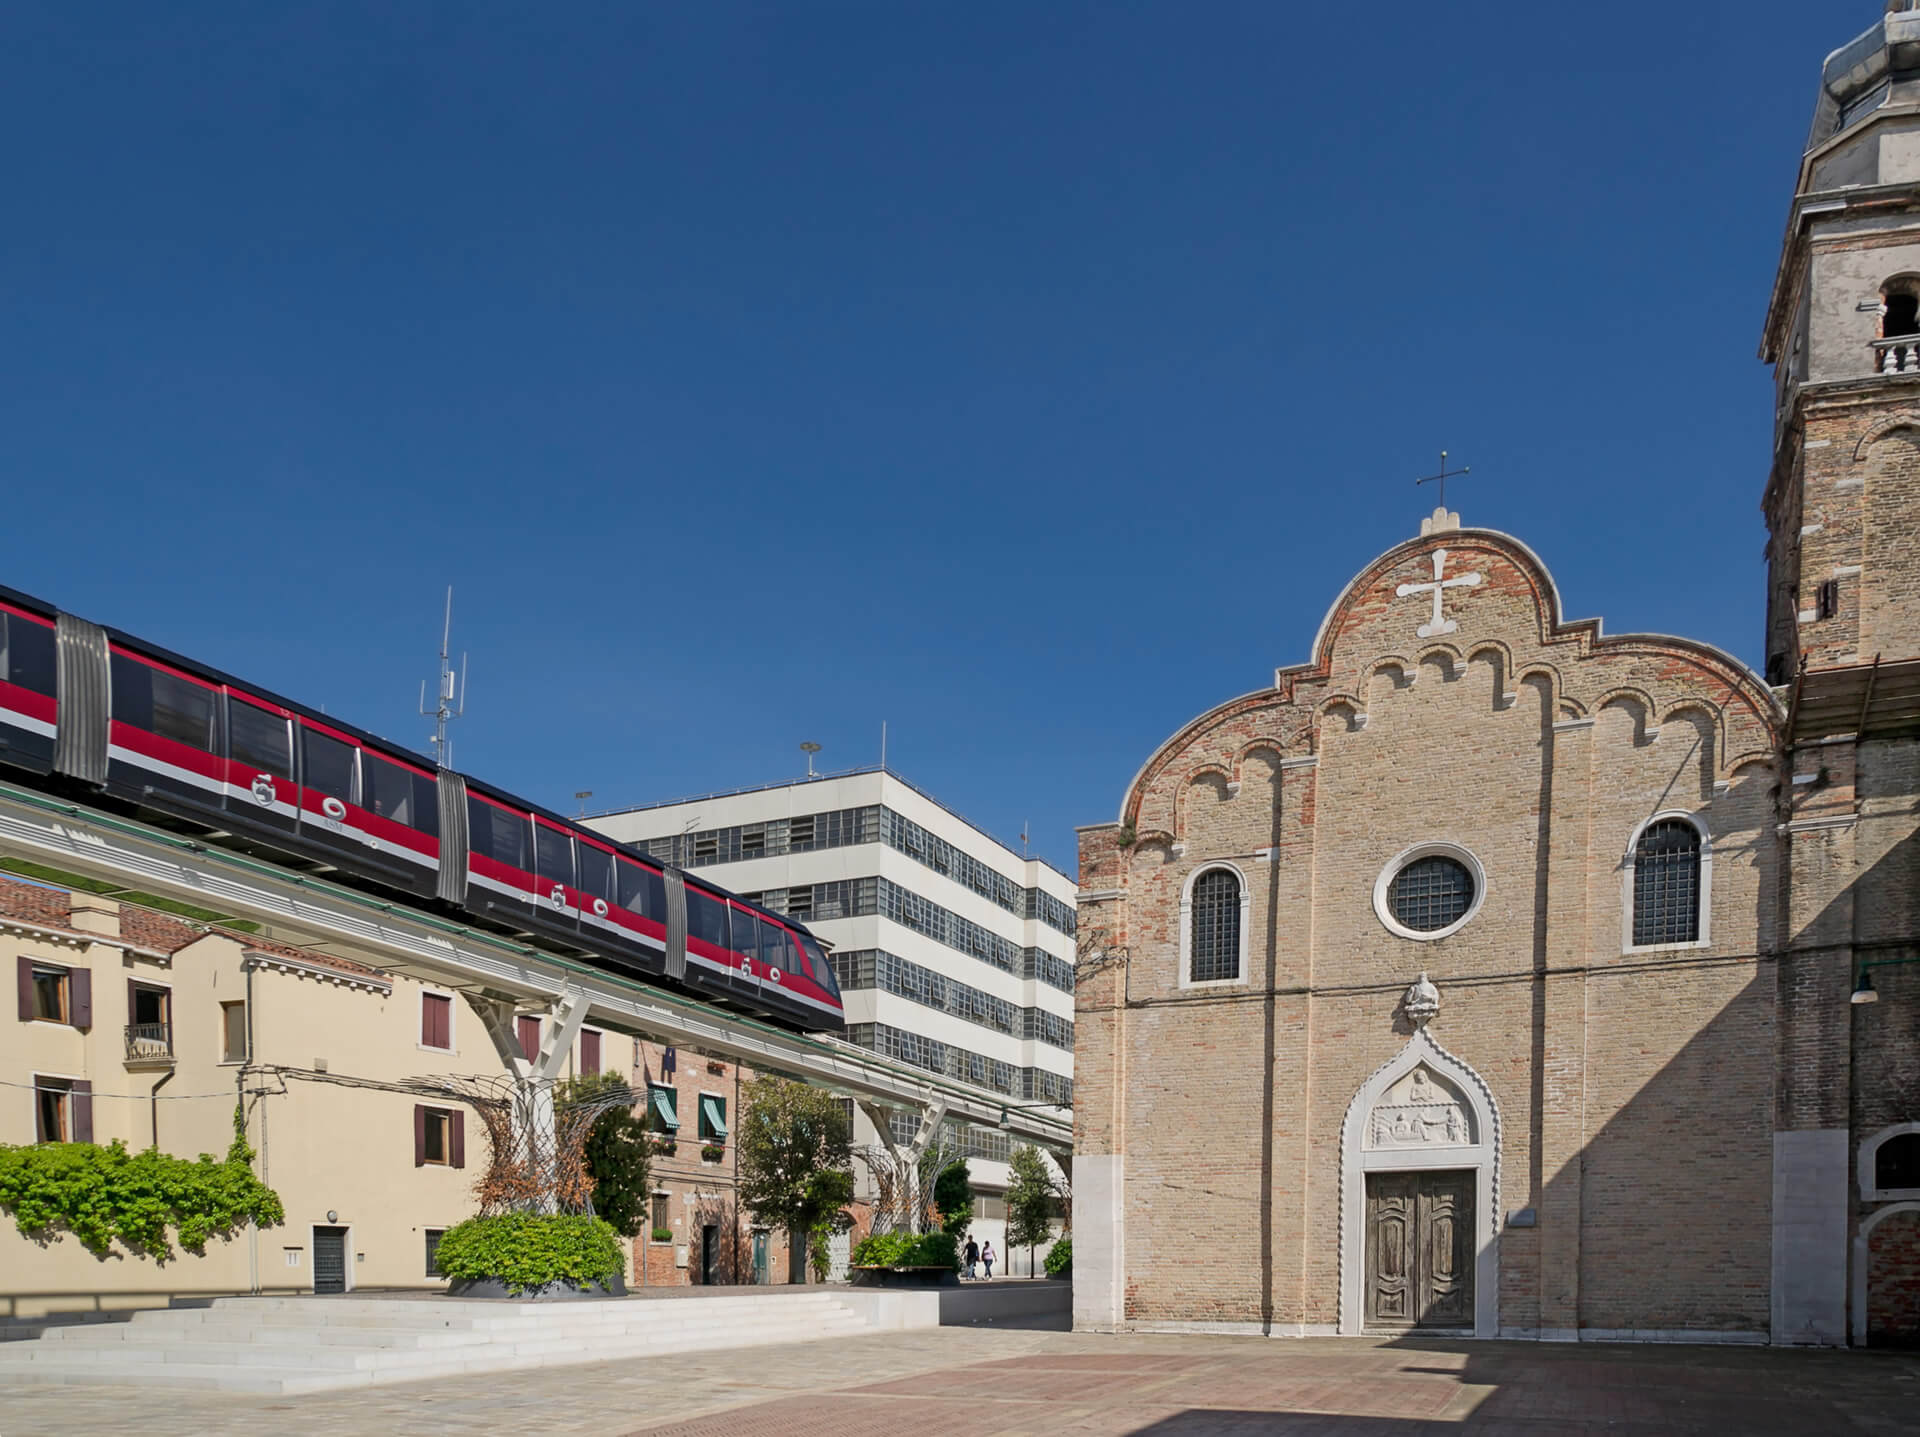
[1419,1198]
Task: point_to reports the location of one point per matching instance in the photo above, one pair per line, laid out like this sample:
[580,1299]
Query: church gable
[1457,606]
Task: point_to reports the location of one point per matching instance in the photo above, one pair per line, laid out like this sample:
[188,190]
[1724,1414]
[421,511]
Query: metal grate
[1666,884]
[1216,927]
[1431,893]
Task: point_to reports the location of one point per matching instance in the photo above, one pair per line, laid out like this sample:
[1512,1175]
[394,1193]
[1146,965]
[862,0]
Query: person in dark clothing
[972,1255]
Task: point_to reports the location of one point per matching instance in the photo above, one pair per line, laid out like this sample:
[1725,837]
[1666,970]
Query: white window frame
[420,1020]
[1869,1150]
[1434,848]
[68,969]
[1215,865]
[668,1241]
[1628,868]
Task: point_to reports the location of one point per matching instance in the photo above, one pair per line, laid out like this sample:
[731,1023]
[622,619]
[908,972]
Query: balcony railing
[149,1043]
[1899,355]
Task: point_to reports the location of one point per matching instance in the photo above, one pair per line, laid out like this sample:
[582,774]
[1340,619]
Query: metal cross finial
[1444,475]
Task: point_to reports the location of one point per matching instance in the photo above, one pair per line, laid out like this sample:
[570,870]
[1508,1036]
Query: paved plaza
[995,1382]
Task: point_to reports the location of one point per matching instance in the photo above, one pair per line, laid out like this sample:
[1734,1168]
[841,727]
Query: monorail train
[96,710]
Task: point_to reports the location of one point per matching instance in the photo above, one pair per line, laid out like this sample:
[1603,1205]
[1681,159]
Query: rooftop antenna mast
[450,694]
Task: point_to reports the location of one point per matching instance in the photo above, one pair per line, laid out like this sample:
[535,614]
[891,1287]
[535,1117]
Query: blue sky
[1029,376]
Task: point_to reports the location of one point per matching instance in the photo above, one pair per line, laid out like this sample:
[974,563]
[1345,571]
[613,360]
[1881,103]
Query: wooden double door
[1420,1249]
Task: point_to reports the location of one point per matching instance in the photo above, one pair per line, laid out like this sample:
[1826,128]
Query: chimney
[90,913]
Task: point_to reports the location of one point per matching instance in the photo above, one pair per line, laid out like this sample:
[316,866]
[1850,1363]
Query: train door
[367,809]
[261,796]
[163,739]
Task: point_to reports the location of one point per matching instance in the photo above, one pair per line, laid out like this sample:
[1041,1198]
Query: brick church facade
[1627,1044]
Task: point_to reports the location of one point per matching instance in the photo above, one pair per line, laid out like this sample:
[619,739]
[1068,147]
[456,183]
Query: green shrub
[663,1234]
[531,1250]
[712,1153]
[104,1195]
[904,1249]
[1060,1258]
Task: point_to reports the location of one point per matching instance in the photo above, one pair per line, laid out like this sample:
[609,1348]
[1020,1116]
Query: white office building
[954,952]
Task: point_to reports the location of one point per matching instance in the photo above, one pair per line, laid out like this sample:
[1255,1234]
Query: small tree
[795,1165]
[616,1154]
[953,1200]
[1030,1201]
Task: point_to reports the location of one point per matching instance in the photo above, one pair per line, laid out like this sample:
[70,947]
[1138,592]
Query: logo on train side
[263,792]
[558,897]
[333,808]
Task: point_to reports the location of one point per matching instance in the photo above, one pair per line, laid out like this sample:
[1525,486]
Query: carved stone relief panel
[1422,1110]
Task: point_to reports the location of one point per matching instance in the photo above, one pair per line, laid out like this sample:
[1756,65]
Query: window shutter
[457,1144]
[80,1124]
[419,1135]
[80,997]
[589,1053]
[26,990]
[529,1038]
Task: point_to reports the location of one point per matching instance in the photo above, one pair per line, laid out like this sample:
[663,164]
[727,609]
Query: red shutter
[26,990]
[457,1125]
[529,1027]
[589,1053]
[419,1135]
[436,1021]
[80,997]
[80,1120]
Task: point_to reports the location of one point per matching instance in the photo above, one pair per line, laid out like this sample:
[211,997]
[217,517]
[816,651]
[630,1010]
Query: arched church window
[1896,1164]
[1215,931]
[1666,884]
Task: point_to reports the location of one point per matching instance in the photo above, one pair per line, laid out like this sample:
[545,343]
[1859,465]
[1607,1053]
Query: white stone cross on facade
[1440,623]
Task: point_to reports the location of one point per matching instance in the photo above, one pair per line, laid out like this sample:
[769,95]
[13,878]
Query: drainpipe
[153,1102]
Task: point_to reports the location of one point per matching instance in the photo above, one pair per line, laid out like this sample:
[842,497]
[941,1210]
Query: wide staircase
[315,1344]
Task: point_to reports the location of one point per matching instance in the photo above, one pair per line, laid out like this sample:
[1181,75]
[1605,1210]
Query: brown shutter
[589,1053]
[529,1038]
[419,1135]
[26,990]
[457,1144]
[80,1121]
[80,997]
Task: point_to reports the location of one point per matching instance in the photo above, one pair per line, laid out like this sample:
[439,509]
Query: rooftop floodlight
[810,749]
[1863,991]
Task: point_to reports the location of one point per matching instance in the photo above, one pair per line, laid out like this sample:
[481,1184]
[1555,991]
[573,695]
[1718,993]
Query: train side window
[786,955]
[552,854]
[642,890]
[329,765]
[161,703]
[499,834]
[706,918]
[398,794]
[258,739]
[818,965]
[596,869]
[27,655]
[746,936]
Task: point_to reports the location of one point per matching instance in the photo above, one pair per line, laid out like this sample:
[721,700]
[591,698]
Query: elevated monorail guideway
[304,909]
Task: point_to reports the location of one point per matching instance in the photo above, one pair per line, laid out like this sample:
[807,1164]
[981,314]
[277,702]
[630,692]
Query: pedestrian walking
[986,1256]
[973,1256]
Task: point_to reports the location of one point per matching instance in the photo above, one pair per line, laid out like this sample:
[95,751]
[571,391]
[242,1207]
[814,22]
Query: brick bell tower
[1843,651]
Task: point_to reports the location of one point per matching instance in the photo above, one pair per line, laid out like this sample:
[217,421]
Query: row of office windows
[988,1144]
[872,824]
[956,1062]
[877,968]
[866,897]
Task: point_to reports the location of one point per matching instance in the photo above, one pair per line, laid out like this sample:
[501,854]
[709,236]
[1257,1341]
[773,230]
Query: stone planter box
[905,1277]
[562,1291]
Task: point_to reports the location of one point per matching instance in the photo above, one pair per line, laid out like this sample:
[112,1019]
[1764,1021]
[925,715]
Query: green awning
[661,1101]
[712,1114]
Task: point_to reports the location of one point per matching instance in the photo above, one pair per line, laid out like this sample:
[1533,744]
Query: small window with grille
[1666,884]
[1213,953]
[1827,599]
[1431,893]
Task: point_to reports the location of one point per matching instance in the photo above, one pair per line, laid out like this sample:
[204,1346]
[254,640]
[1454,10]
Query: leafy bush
[1060,1258]
[616,1152]
[663,1234]
[531,1250]
[712,1153]
[904,1249]
[953,1199]
[104,1195]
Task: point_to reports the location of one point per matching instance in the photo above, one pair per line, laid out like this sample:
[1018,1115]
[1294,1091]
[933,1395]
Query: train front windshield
[822,969]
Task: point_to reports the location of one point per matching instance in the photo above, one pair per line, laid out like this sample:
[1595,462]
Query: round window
[1429,891]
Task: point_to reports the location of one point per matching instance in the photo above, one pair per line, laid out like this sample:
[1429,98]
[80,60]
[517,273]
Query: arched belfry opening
[1420,1192]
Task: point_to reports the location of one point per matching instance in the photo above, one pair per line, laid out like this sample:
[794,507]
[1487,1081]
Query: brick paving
[996,1382]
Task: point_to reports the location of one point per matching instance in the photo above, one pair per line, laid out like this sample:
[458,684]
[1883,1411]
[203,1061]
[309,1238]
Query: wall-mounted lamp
[1863,991]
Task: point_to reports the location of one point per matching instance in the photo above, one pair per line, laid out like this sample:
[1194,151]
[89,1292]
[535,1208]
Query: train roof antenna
[450,697]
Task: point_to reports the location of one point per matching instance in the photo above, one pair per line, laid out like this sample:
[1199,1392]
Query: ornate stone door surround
[1422,1109]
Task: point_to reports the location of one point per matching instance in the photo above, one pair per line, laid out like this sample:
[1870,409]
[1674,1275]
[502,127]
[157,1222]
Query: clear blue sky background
[1028,375]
